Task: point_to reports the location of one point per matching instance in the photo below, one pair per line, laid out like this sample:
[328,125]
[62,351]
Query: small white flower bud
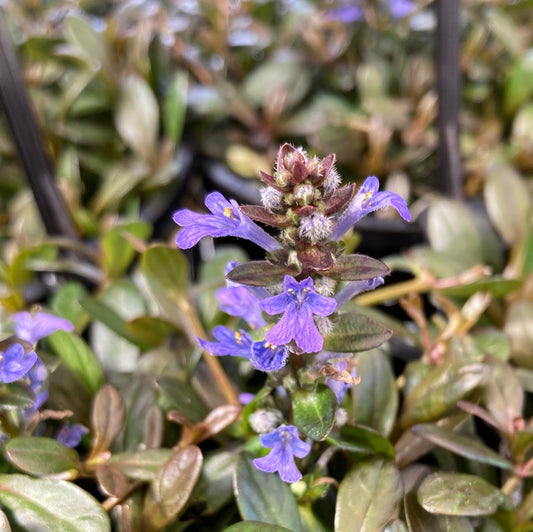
[331,183]
[325,286]
[271,198]
[304,194]
[315,228]
[265,420]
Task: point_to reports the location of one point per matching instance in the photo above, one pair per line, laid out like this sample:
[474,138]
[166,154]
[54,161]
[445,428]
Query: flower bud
[304,194]
[271,198]
[315,228]
[265,420]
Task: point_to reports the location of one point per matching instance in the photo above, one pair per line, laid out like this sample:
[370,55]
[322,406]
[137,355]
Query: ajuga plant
[293,300]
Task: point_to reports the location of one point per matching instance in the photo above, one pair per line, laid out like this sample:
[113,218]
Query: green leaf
[38,504]
[171,488]
[137,116]
[375,398]
[167,272]
[175,107]
[107,418]
[355,332]
[77,356]
[461,444]
[314,411]
[505,30]
[519,327]
[66,303]
[396,525]
[362,440]
[149,331]
[508,203]
[369,496]
[99,311]
[15,395]
[439,390]
[141,465]
[255,526]
[92,45]
[496,285]
[43,457]
[357,267]
[258,273]
[284,74]
[452,231]
[111,340]
[264,497]
[459,494]
[117,251]
[503,395]
[519,84]
[181,396]
[215,484]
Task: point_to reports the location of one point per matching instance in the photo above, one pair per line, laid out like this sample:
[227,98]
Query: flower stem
[194,329]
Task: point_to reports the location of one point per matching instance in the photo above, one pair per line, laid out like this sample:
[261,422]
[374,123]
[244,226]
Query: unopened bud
[315,228]
[304,194]
[265,420]
[271,198]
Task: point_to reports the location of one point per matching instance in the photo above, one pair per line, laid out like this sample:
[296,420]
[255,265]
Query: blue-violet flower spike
[71,435]
[226,220]
[401,8]
[237,344]
[298,302]
[239,301]
[267,357]
[368,199]
[15,363]
[285,444]
[33,328]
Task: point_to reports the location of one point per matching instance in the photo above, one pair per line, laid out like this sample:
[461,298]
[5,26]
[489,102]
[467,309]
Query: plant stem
[194,330]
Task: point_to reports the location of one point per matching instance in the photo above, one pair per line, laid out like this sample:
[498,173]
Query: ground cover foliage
[118,419]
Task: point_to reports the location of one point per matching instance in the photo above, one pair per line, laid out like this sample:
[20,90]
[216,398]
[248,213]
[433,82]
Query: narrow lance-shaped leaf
[460,444]
[355,332]
[357,268]
[258,273]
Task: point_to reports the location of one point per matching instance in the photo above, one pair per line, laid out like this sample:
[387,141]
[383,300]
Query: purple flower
[340,387]
[37,377]
[245,398]
[368,199]
[239,301]
[285,445]
[15,363]
[236,344]
[71,435]
[226,220]
[267,357]
[354,288]
[346,13]
[298,303]
[33,328]
[401,8]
